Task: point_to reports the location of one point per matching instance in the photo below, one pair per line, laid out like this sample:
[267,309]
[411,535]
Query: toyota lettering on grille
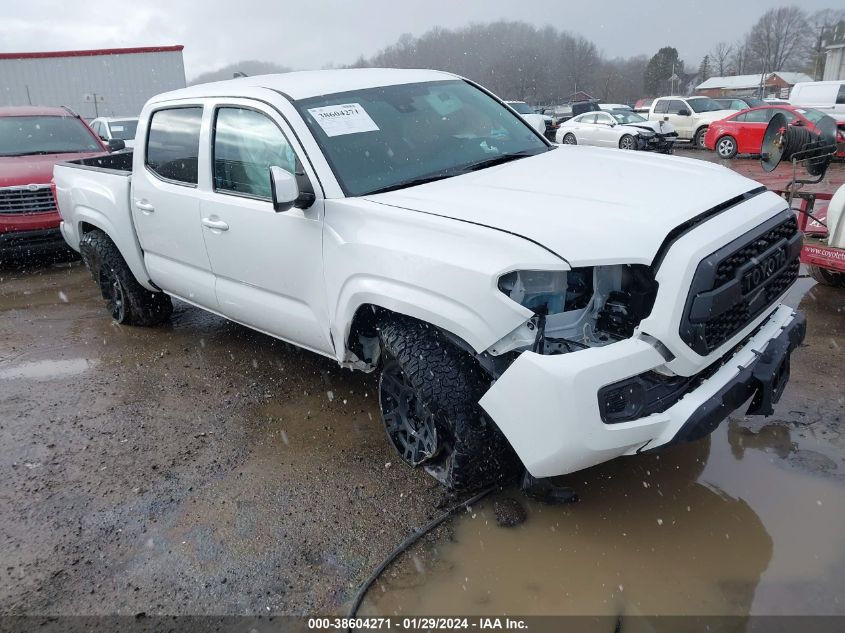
[763,270]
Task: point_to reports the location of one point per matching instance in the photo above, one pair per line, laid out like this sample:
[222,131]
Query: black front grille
[26,200]
[726,269]
[739,281]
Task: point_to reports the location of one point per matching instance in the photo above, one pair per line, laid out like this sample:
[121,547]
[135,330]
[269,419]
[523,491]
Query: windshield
[813,116]
[626,117]
[123,129]
[703,104]
[396,136]
[754,102]
[25,135]
[521,107]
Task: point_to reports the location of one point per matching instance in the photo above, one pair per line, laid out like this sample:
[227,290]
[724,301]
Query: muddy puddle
[748,521]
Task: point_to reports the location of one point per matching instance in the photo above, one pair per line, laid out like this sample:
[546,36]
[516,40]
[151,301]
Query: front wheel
[428,393]
[627,142]
[569,139]
[726,147]
[127,300]
[827,277]
[698,139]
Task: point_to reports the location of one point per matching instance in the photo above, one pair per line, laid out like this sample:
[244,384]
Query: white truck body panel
[437,252]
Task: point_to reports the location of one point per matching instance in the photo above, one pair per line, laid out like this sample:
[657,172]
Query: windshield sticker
[443,103]
[349,118]
[117,128]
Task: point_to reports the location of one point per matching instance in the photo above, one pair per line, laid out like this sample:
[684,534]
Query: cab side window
[246,144]
[676,106]
[662,107]
[840,96]
[173,144]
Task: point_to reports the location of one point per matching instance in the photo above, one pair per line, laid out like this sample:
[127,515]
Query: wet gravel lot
[202,468]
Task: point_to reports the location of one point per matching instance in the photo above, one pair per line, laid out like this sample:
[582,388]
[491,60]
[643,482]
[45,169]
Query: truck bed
[96,193]
[117,162]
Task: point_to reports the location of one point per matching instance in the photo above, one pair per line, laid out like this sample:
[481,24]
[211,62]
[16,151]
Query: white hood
[586,204]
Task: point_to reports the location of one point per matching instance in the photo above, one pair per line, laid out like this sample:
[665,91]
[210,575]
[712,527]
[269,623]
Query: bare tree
[781,39]
[720,58]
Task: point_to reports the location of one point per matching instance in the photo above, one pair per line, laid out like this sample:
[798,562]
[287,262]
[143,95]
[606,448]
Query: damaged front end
[573,310]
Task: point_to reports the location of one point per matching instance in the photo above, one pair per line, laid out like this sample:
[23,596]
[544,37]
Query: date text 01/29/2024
[416,623]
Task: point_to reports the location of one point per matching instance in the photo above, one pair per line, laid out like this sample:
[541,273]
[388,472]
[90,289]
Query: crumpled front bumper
[548,407]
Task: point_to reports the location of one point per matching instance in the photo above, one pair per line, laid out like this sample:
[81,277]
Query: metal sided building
[104,82]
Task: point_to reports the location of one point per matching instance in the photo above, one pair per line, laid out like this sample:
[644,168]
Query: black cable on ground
[404,545]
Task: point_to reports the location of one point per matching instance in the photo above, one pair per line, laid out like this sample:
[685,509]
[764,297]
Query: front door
[268,265]
[680,114]
[166,206]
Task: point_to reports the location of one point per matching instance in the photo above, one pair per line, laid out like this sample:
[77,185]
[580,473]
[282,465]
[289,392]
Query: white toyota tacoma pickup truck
[527,305]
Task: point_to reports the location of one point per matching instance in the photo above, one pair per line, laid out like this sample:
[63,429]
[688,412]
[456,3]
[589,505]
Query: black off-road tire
[472,452]
[827,277]
[698,139]
[128,301]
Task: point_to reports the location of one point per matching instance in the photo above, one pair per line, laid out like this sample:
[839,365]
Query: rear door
[752,129]
[586,132]
[268,265]
[605,133]
[166,206]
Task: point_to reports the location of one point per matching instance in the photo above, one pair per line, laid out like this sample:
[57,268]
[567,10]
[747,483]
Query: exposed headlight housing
[549,291]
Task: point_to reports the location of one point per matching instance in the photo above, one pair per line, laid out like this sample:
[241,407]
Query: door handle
[143,205]
[218,225]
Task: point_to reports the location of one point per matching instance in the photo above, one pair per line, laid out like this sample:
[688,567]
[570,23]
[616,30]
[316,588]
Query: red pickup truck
[32,140]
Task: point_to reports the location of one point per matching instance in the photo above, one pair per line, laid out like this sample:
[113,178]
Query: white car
[120,128]
[539,122]
[625,130]
[407,222]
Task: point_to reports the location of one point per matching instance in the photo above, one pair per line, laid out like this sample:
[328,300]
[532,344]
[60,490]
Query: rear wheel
[627,142]
[428,393]
[698,139]
[127,300]
[827,277]
[569,139]
[726,147]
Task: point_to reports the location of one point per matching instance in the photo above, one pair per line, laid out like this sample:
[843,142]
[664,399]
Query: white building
[104,82]
[834,63]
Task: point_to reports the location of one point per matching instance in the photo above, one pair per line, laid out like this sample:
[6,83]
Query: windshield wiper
[42,152]
[410,183]
[488,162]
[498,160]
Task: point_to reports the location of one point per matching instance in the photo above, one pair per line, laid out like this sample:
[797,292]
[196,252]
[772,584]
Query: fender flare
[129,248]
[440,310]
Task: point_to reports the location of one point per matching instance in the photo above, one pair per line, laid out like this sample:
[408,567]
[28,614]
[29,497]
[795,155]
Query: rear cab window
[173,142]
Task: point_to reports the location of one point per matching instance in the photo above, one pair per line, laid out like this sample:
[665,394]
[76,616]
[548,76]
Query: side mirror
[284,189]
[798,123]
[115,145]
[683,112]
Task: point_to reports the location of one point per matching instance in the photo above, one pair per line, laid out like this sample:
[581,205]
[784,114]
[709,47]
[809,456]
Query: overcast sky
[313,33]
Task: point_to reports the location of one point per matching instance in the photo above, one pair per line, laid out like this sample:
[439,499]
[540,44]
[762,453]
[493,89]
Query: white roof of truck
[309,83]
